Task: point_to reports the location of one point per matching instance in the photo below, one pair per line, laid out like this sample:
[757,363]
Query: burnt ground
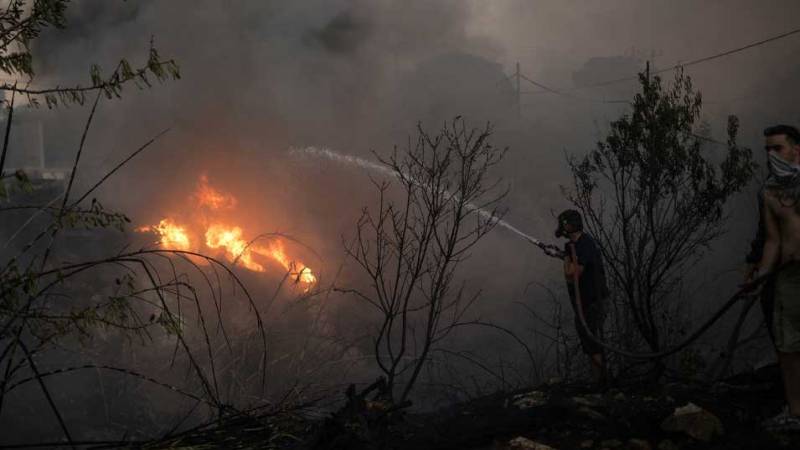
[558,415]
[574,417]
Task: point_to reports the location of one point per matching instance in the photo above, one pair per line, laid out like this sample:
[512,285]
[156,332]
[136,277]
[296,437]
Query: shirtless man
[781,216]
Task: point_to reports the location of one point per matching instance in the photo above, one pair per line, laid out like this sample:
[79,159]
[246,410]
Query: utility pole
[519,93]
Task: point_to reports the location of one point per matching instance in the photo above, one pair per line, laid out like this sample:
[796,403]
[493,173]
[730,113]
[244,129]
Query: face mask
[782,174]
[780,168]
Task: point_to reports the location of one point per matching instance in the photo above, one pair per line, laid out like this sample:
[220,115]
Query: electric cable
[696,61]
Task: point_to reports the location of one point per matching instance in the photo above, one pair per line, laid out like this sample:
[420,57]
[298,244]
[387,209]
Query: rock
[689,408]
[377,406]
[590,413]
[720,388]
[523,443]
[694,421]
[592,401]
[666,444]
[620,397]
[587,443]
[611,443]
[639,444]
[530,399]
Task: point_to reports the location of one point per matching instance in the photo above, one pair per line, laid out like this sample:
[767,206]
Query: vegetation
[650,192]
[42,303]
[22,21]
[654,193]
[411,248]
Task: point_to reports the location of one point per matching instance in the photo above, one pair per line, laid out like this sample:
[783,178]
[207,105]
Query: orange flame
[296,270]
[211,198]
[228,238]
[173,236]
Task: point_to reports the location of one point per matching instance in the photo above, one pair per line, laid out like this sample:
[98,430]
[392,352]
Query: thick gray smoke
[356,76]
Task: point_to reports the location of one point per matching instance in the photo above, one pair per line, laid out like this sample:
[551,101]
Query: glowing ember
[221,236]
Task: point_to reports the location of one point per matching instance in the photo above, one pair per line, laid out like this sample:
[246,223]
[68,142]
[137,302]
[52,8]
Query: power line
[696,61]
[566,94]
[518,75]
[540,85]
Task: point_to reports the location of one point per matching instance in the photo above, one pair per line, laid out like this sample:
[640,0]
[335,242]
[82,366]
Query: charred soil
[671,415]
[664,416]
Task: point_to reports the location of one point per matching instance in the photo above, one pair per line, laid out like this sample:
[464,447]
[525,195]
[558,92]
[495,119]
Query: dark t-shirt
[593,279]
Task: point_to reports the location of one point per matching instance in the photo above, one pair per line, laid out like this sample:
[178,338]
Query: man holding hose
[587,267]
[781,218]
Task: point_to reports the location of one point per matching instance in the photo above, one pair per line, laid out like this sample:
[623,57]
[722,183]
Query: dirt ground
[574,417]
[724,415]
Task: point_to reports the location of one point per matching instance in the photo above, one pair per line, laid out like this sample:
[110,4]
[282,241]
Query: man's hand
[749,273]
[752,280]
[553,251]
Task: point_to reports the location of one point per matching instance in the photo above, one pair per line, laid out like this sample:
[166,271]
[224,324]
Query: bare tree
[412,244]
[654,196]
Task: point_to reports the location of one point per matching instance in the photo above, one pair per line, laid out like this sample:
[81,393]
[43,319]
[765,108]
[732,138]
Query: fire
[297,270]
[211,198]
[173,236]
[221,236]
[230,239]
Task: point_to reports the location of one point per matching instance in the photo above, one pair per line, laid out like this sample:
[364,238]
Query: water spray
[549,249]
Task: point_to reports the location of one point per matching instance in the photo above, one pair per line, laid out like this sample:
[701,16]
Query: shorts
[786,311]
[595,315]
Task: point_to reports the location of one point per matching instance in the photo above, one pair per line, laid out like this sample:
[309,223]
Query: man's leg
[787,332]
[790,367]
[768,306]
[598,364]
[787,342]
[598,361]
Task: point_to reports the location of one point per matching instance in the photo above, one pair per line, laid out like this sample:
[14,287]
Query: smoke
[356,76]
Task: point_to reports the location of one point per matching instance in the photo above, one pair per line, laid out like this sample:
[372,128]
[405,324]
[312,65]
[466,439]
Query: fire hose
[548,249]
[554,251]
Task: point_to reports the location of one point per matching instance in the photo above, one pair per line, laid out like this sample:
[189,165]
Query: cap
[568,217]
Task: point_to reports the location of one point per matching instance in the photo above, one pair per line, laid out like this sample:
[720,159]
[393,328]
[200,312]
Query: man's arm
[757,244]
[772,244]
[571,266]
